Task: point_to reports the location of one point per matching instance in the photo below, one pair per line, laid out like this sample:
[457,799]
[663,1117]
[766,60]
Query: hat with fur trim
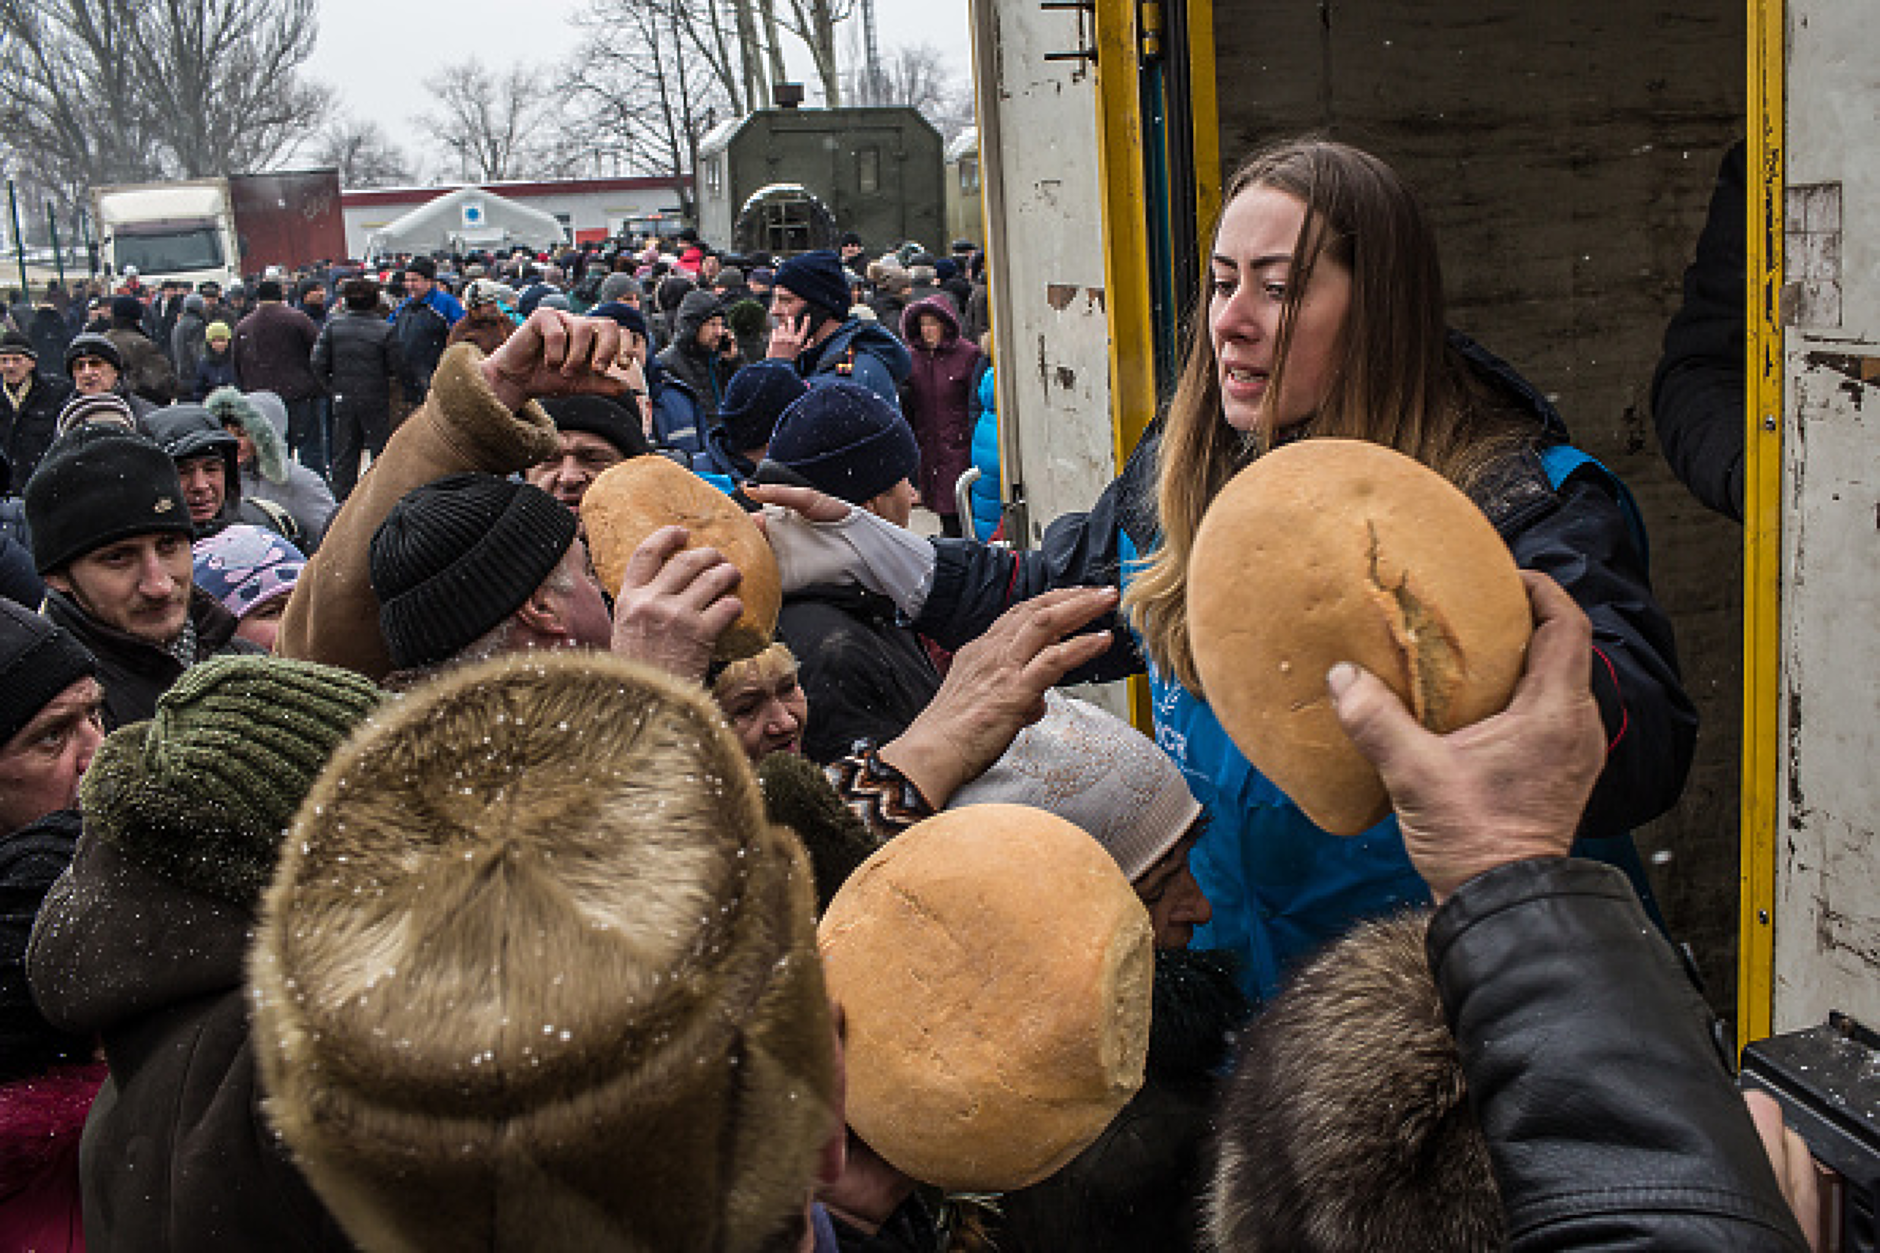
[532,929]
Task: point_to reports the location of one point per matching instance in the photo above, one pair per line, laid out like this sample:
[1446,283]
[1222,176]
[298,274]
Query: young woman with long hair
[1323,316]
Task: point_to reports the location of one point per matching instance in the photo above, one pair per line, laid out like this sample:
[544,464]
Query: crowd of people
[372,876]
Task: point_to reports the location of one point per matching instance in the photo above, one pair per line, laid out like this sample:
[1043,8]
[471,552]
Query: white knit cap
[1092,768]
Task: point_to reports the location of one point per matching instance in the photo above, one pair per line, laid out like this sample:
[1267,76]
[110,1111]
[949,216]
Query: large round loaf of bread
[631,500]
[995,969]
[1341,550]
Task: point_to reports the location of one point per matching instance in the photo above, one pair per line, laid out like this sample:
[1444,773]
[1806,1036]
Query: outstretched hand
[995,688]
[813,505]
[673,605]
[1510,787]
[555,353]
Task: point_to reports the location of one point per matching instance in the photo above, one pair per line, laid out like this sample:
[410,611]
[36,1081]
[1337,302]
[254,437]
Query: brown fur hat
[537,973]
[1346,1125]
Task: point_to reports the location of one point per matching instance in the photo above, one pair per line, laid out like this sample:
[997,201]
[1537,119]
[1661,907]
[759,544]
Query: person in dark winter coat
[595,434]
[111,537]
[271,484]
[216,367]
[144,368]
[866,675]
[810,307]
[1698,388]
[937,399]
[49,731]
[697,353]
[1589,1061]
[1559,513]
[207,462]
[274,353]
[95,366]
[50,334]
[187,341]
[357,359]
[423,323]
[144,944]
[756,398]
[30,401]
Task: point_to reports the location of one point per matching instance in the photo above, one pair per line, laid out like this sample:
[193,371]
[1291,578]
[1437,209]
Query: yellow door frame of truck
[1762,523]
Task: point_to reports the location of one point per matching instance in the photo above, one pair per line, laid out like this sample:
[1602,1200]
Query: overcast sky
[374,54]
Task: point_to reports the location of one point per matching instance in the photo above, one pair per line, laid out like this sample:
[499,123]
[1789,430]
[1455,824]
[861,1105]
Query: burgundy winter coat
[274,352]
[935,399]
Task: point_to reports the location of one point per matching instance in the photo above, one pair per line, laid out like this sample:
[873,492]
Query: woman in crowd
[1324,317]
[937,399]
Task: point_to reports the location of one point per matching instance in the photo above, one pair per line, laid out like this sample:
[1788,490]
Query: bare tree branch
[492,125]
[362,153]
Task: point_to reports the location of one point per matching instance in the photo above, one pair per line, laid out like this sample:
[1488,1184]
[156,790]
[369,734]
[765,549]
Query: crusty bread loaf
[995,969]
[1342,550]
[631,500]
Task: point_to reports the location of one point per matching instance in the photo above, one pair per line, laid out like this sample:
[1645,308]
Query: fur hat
[263,415]
[537,972]
[1346,1124]
[99,484]
[203,792]
[245,567]
[37,662]
[755,398]
[1087,765]
[456,556]
[817,277]
[842,439]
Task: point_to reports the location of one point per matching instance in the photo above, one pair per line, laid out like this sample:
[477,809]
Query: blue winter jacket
[987,507]
[1280,887]
[677,414]
[859,352]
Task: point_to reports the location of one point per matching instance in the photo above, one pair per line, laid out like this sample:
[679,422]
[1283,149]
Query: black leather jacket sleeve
[1610,1118]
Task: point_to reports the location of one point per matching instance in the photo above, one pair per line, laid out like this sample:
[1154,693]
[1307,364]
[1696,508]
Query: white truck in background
[219,229]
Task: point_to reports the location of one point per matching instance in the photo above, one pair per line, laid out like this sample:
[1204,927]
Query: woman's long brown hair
[1396,381]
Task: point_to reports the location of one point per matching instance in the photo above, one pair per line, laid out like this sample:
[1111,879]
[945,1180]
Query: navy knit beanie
[455,557]
[844,440]
[755,398]
[629,318]
[818,278]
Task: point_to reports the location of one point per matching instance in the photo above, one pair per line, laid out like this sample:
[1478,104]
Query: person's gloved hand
[819,539]
[1510,787]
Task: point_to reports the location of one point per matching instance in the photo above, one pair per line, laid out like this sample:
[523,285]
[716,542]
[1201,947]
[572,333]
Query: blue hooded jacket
[859,352]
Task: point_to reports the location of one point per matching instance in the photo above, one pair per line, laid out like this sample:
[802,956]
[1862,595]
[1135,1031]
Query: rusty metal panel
[1827,915]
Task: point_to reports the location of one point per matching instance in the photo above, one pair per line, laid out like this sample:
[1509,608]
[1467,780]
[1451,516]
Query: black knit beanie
[99,484]
[37,661]
[202,792]
[598,415]
[455,557]
[755,398]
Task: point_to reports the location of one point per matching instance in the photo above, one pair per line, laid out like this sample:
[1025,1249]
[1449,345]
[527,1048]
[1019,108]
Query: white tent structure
[469,217]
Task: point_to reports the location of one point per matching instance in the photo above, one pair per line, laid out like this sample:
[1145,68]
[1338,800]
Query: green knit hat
[202,793]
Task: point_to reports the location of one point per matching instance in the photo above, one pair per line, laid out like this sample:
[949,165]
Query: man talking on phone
[810,325]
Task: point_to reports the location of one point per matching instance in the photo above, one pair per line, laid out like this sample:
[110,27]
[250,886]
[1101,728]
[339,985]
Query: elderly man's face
[15,368]
[41,765]
[567,475]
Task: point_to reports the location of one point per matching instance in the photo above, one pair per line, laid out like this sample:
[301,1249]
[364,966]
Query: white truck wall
[1827,919]
[1043,208]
